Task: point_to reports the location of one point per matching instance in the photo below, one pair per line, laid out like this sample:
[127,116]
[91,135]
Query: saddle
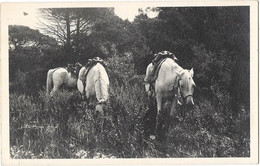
[157,62]
[94,61]
[155,71]
[91,63]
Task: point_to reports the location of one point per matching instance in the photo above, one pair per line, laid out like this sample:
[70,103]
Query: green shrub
[64,127]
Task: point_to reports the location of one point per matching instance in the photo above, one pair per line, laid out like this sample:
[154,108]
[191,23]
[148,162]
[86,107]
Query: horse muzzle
[100,107]
[189,100]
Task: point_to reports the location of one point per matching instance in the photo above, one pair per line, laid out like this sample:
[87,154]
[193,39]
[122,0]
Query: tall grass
[63,127]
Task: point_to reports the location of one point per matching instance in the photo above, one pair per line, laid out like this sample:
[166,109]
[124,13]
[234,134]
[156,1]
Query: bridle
[183,97]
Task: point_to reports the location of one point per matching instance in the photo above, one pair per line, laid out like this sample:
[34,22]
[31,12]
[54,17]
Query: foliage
[209,132]
[86,32]
[120,68]
[66,128]
[22,36]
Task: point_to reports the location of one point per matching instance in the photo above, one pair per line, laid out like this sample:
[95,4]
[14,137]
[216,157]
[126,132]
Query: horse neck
[102,64]
[100,67]
[178,68]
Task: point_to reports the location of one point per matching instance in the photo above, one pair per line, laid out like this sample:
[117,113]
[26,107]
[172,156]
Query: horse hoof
[152,137]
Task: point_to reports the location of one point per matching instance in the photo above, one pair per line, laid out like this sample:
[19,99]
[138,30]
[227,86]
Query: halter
[181,92]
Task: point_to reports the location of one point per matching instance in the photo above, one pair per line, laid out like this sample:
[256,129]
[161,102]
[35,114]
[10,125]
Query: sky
[18,18]
[32,20]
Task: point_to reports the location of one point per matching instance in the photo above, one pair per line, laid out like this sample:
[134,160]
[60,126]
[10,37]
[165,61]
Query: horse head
[100,107]
[186,85]
[77,68]
[78,65]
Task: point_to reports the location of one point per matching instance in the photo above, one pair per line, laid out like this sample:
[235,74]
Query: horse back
[59,73]
[97,82]
[101,82]
[62,76]
[98,71]
[167,76]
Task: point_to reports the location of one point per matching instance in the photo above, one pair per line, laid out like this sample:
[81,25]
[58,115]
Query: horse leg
[159,108]
[90,100]
[55,88]
[56,85]
[83,93]
[173,106]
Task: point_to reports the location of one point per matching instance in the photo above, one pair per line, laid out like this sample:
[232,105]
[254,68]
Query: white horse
[96,85]
[171,77]
[59,76]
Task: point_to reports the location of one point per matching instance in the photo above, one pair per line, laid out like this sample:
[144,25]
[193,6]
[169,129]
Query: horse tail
[101,86]
[49,81]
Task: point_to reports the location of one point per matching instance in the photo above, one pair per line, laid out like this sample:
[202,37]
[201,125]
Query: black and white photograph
[106,81]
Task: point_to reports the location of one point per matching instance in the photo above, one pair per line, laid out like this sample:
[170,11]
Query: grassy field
[63,127]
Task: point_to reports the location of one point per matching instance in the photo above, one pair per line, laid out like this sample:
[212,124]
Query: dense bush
[63,127]
[66,124]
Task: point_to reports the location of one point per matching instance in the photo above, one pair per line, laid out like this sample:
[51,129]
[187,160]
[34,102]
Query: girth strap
[84,82]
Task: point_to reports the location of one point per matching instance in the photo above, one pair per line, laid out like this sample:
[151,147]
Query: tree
[29,54]
[22,36]
[77,29]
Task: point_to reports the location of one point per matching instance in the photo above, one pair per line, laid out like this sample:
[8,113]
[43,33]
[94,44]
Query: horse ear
[191,72]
